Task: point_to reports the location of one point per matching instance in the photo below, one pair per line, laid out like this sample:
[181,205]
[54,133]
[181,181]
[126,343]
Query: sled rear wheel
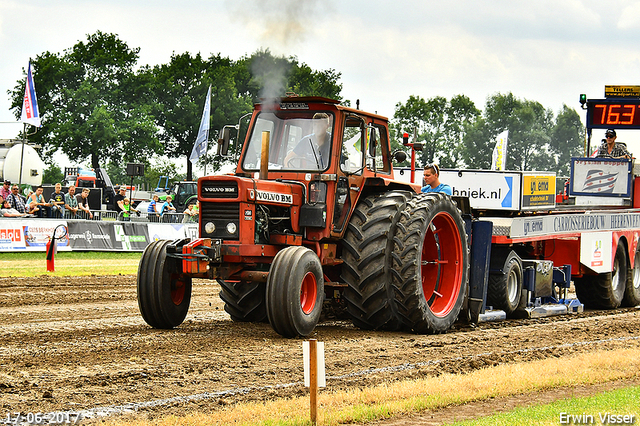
[605,290]
[632,291]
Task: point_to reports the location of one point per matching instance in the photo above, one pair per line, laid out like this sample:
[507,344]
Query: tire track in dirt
[80,343]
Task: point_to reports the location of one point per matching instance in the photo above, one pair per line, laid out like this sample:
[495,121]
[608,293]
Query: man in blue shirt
[432,180]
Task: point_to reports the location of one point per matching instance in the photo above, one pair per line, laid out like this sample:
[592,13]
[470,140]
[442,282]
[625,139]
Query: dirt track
[72,344]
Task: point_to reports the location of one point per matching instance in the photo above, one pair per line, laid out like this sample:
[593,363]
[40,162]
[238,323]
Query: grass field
[30,264]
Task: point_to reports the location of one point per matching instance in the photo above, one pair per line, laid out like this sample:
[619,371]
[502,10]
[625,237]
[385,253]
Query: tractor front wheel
[295,292]
[164,293]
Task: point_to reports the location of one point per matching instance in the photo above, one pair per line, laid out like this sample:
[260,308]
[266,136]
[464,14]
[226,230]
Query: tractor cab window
[297,141]
[352,156]
[377,154]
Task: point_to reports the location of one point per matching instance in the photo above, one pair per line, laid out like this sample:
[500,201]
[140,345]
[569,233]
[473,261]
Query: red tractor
[313,217]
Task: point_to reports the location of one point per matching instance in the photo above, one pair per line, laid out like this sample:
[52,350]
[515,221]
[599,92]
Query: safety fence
[108,215]
[33,234]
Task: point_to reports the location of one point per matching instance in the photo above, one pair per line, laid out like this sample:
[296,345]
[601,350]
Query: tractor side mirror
[373,140]
[399,156]
[223,141]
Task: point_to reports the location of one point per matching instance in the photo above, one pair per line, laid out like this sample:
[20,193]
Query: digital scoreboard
[618,113]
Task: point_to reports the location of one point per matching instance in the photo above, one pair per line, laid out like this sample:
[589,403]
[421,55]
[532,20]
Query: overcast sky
[543,50]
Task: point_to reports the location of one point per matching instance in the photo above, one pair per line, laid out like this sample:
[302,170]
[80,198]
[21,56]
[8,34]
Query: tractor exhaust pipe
[264,157]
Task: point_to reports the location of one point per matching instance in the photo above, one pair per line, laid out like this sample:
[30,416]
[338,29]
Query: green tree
[180,89]
[438,123]
[52,174]
[91,103]
[567,139]
[537,140]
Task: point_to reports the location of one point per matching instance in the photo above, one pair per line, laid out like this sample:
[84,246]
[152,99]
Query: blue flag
[202,140]
[30,113]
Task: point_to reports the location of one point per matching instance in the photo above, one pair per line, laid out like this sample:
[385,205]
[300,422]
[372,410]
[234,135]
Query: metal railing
[108,215]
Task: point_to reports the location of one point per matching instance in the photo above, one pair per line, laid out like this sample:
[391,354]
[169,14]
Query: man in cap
[609,148]
[6,189]
[118,200]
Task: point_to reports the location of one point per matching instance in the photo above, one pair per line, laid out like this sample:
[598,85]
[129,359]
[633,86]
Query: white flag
[30,113]
[202,140]
[499,157]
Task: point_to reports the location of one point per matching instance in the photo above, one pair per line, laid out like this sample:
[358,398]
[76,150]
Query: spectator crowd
[76,206]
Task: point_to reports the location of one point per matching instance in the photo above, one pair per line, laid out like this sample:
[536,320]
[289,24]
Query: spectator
[17,201]
[167,207]
[152,210]
[6,189]
[71,204]
[118,199]
[57,202]
[609,148]
[83,203]
[128,209]
[37,199]
[190,214]
[432,180]
[7,211]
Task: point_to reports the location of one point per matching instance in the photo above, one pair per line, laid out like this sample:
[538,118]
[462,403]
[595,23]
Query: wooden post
[313,380]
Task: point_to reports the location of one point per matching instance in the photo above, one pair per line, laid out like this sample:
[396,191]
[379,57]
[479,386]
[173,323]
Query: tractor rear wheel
[164,293]
[430,263]
[366,252]
[244,301]
[505,286]
[632,291]
[605,290]
[295,291]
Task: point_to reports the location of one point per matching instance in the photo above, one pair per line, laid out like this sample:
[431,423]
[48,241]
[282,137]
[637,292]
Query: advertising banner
[606,177]
[11,235]
[38,233]
[165,231]
[32,234]
[130,236]
[90,235]
[491,190]
[538,191]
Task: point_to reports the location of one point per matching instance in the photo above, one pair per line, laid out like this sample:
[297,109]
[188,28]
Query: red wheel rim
[308,293]
[442,264]
[177,291]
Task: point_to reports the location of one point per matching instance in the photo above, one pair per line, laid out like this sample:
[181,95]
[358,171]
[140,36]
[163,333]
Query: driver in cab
[314,148]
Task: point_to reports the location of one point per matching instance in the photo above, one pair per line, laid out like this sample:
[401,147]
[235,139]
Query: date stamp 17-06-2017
[61,418]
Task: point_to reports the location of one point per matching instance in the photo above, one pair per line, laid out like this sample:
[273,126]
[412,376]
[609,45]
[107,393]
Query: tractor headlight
[231,228]
[209,227]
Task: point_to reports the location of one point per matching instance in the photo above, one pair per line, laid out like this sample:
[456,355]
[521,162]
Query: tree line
[98,105]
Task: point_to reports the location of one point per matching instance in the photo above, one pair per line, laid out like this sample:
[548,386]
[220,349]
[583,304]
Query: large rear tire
[632,291]
[505,286]
[366,252]
[164,293]
[606,290]
[295,292]
[244,301]
[430,268]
